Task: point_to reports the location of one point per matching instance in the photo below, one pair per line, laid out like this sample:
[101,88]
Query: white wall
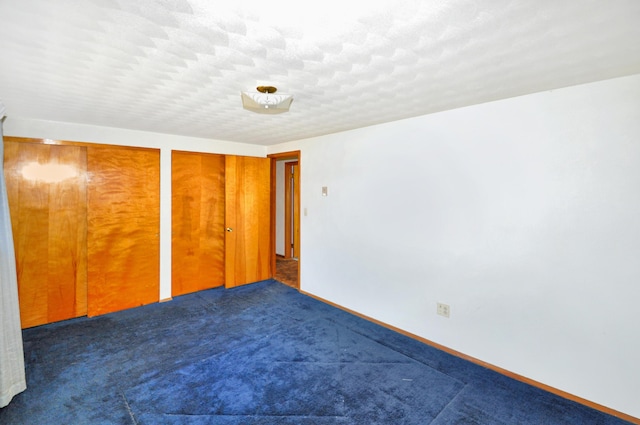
[523,215]
[166,143]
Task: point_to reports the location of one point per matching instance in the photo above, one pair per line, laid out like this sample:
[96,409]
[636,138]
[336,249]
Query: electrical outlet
[443,310]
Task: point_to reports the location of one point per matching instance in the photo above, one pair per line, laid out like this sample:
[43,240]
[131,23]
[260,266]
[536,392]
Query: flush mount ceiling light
[265,101]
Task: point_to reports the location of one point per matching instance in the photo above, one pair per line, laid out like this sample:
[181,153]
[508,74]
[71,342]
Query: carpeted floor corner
[261,354]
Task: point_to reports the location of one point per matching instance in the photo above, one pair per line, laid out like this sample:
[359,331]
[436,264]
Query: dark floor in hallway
[287,271]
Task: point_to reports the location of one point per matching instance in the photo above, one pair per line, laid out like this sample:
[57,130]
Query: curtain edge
[11,392]
[12,366]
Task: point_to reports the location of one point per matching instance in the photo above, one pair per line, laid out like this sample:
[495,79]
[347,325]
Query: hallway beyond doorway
[287,271]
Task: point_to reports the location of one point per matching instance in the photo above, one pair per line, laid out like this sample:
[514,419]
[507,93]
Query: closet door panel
[248,220]
[29,204]
[46,186]
[123,204]
[68,237]
[197,185]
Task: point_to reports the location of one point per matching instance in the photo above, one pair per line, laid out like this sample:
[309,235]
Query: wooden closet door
[248,220]
[197,223]
[46,186]
[123,205]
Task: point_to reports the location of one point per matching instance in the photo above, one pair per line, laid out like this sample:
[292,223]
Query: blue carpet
[262,354]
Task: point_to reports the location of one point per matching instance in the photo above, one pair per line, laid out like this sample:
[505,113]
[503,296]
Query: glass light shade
[266,103]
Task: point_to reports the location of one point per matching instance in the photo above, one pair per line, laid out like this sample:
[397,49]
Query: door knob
[229,229]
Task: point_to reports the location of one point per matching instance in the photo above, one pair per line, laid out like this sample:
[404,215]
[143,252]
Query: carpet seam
[126,403]
[382,343]
[449,403]
[255,416]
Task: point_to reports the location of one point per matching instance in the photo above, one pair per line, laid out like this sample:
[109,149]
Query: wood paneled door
[248,220]
[197,223]
[123,230]
[220,221]
[86,224]
[46,186]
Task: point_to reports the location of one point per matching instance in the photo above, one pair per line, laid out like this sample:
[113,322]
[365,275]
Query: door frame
[290,156]
[291,210]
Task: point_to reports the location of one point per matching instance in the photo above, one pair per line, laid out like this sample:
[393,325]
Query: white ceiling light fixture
[265,101]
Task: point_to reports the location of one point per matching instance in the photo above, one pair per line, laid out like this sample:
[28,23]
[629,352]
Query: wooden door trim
[17,139]
[288,216]
[293,156]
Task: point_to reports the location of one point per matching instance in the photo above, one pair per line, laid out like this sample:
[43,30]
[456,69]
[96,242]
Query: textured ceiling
[178,66]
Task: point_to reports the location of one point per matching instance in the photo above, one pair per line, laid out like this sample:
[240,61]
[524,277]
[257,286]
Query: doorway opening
[291,210]
[285,217]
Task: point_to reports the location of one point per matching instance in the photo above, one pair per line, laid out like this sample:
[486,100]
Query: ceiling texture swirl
[179,66]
